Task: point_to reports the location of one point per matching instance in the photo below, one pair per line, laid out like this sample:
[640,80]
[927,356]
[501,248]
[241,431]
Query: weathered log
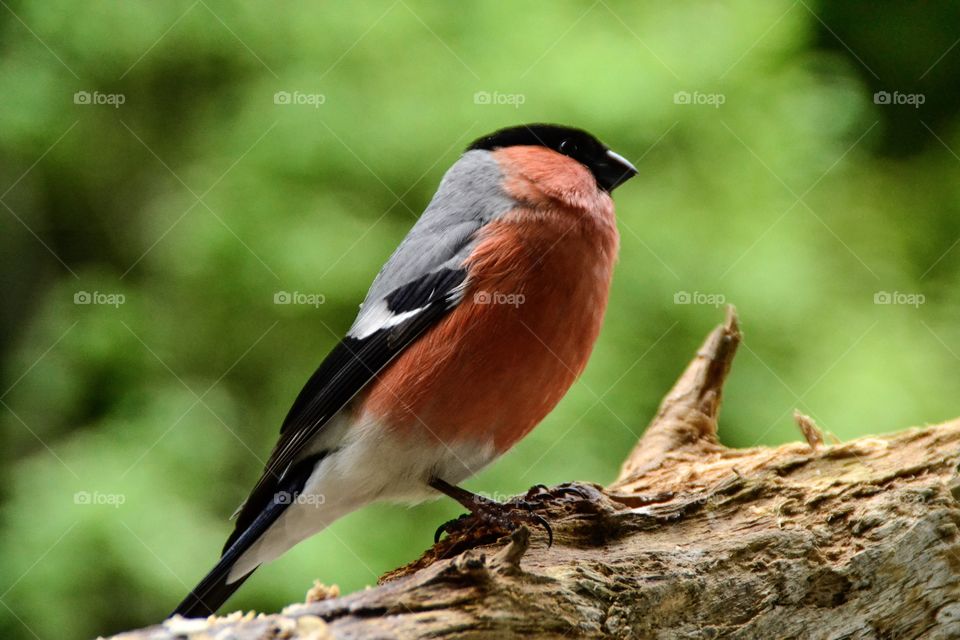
[694,540]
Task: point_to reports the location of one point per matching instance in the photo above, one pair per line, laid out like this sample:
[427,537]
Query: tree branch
[693,540]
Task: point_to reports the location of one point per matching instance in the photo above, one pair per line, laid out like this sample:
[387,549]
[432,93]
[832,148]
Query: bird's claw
[536,490]
[494,516]
[537,495]
[448,527]
[540,520]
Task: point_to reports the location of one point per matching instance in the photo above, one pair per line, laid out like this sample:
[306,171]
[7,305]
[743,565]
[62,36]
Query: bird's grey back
[470,195]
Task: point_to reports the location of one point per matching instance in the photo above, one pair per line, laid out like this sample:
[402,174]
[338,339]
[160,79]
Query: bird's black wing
[410,310]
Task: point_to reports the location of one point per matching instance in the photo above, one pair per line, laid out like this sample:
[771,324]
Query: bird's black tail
[210,594]
[213,590]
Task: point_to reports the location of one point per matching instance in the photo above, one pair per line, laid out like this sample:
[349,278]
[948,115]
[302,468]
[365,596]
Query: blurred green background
[167,169]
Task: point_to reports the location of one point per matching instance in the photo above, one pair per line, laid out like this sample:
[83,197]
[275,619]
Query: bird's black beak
[614,170]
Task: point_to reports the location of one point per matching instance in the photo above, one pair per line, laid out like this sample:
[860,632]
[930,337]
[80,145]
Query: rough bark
[693,540]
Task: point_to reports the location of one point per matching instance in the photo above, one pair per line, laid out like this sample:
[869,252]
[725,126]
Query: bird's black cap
[608,168]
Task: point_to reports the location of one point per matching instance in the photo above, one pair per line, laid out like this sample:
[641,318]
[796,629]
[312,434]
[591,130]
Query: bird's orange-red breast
[538,286]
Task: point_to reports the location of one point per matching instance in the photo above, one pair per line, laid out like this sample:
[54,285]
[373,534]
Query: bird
[470,334]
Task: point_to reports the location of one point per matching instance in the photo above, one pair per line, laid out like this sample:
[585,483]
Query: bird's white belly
[380,464]
[371,463]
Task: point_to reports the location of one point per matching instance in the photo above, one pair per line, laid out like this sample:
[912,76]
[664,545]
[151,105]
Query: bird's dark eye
[567,147]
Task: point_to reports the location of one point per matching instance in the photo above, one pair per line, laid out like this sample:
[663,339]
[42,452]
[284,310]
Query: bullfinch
[470,334]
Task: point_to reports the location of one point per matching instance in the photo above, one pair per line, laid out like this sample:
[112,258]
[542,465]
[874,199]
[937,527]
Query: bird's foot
[540,494]
[490,517]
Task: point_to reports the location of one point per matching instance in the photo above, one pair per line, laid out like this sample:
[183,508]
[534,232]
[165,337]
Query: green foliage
[133,430]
